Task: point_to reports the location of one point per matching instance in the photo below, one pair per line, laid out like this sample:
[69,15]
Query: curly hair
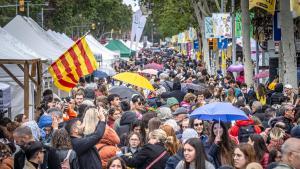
[61,139]
[4,151]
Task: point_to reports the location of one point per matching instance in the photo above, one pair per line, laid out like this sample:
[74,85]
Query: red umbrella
[263,74]
[155,66]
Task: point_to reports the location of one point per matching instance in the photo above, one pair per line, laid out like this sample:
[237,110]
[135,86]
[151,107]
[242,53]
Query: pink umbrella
[154,66]
[235,68]
[263,74]
[149,71]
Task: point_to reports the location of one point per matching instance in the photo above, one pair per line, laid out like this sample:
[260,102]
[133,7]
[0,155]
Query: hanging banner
[276,27]
[238,24]
[192,34]
[208,28]
[137,27]
[268,5]
[181,37]
[222,25]
[295,8]
[196,44]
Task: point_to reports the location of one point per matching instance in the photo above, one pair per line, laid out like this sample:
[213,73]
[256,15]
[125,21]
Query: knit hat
[295,132]
[180,110]
[164,113]
[172,101]
[45,121]
[172,123]
[189,133]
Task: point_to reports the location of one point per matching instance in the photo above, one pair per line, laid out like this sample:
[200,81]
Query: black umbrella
[124,92]
[192,86]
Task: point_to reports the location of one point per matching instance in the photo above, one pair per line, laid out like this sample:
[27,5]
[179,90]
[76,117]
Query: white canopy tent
[108,57]
[16,61]
[30,33]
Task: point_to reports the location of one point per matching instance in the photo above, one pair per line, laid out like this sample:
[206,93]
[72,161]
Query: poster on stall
[267,5]
[222,25]
[208,28]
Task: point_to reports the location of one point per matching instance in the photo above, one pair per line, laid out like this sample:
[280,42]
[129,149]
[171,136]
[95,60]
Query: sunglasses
[198,124]
[140,103]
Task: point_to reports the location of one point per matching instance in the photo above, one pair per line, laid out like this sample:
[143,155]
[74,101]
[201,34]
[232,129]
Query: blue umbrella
[100,74]
[219,111]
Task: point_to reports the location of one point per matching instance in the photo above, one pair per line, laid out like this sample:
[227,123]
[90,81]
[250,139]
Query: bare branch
[218,5]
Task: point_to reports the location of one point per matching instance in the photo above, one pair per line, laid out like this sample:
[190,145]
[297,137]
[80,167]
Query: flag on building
[76,62]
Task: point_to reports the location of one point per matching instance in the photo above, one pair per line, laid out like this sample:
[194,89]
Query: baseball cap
[180,110]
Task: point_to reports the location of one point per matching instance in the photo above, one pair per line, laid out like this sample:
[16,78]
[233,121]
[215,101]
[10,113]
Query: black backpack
[245,132]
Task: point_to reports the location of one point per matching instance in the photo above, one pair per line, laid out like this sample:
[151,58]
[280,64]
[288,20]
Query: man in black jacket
[85,146]
[23,137]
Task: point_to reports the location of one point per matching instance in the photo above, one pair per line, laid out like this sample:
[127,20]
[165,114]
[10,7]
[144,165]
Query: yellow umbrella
[134,79]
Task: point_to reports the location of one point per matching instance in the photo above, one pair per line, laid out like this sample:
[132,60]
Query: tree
[288,44]
[248,67]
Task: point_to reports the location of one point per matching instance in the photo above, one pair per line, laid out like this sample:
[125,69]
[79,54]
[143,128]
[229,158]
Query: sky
[133,3]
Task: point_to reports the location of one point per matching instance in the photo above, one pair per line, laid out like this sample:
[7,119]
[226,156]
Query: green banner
[238,24]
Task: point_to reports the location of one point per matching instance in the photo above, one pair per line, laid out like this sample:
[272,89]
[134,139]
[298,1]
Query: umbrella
[154,66]
[124,92]
[263,74]
[235,68]
[192,86]
[100,74]
[108,70]
[134,79]
[149,71]
[219,111]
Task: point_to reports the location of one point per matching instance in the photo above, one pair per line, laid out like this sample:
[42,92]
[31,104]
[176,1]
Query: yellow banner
[295,7]
[268,5]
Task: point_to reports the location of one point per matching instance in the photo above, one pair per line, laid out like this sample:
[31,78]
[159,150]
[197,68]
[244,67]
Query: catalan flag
[76,62]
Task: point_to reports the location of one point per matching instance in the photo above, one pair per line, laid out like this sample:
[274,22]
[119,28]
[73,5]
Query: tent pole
[38,85]
[26,89]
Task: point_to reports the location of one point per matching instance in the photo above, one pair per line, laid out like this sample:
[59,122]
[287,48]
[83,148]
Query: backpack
[66,163]
[245,132]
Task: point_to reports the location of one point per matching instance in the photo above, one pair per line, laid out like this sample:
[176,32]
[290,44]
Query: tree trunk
[288,44]
[201,23]
[248,66]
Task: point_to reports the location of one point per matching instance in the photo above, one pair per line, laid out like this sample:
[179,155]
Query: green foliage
[74,16]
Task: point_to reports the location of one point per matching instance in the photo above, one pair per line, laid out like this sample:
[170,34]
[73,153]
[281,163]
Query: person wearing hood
[177,93]
[277,97]
[107,145]
[125,122]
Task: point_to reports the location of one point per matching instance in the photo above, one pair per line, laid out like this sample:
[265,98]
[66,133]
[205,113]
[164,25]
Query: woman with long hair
[243,155]
[221,145]
[151,155]
[61,141]
[194,156]
[261,94]
[261,150]
[153,124]
[200,126]
[172,143]
[90,120]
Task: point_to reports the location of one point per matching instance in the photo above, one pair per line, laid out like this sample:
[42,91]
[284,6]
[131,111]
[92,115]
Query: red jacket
[234,130]
[265,160]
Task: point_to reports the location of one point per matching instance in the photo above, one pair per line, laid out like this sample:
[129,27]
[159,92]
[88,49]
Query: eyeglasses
[198,124]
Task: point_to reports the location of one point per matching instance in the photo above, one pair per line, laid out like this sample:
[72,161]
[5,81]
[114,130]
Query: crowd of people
[96,129]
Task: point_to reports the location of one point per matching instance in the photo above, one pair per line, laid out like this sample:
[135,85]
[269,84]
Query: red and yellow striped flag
[76,62]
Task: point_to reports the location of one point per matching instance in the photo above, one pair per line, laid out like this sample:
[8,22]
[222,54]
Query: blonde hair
[90,120]
[277,133]
[189,97]
[158,134]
